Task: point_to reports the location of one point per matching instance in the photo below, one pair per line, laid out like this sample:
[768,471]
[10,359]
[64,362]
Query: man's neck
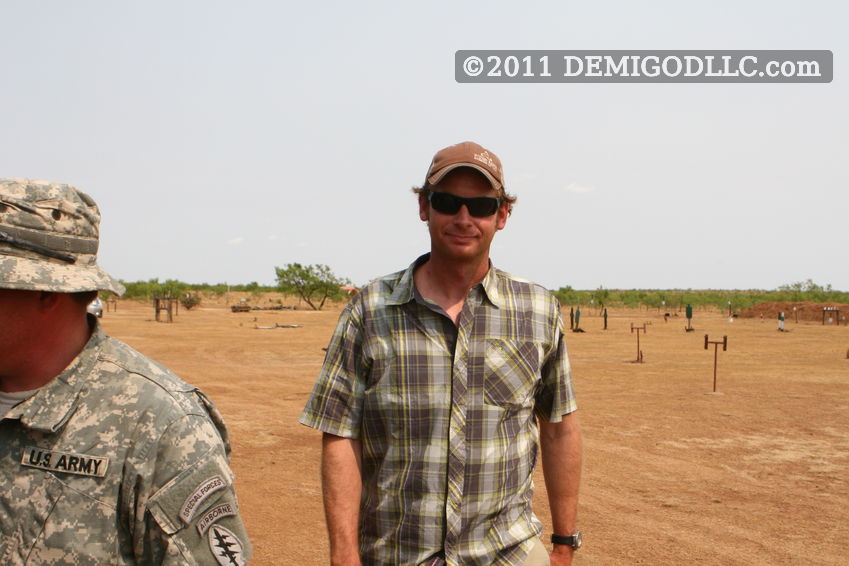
[447,283]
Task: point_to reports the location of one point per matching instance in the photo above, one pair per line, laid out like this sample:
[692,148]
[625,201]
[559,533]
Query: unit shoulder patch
[214,514]
[226,547]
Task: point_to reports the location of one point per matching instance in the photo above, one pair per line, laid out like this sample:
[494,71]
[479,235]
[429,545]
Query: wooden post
[638,329]
[716,344]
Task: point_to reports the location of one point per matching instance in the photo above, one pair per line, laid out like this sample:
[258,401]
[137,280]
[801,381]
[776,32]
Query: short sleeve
[335,405]
[556,396]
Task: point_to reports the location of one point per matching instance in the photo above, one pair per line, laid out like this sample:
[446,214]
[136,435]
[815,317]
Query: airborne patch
[199,495]
[65,462]
[214,514]
[226,547]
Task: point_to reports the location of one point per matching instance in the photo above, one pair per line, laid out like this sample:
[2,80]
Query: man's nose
[463,214]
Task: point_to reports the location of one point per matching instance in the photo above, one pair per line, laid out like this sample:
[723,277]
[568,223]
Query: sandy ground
[673,474]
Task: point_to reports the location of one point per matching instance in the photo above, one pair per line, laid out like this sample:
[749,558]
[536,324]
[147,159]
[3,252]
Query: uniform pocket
[511,372]
[63,522]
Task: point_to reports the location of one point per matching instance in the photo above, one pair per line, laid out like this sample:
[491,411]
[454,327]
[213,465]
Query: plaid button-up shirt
[446,415]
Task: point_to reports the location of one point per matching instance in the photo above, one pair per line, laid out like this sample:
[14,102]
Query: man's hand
[561,555]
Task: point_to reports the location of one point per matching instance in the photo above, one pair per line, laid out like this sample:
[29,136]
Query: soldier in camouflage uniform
[106,457]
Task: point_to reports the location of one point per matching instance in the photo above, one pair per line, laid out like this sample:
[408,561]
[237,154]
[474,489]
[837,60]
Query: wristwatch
[574,540]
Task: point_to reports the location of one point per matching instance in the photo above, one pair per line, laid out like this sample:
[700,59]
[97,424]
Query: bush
[190,300]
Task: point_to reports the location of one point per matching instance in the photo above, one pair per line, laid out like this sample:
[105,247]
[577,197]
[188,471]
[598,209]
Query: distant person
[106,457]
[440,385]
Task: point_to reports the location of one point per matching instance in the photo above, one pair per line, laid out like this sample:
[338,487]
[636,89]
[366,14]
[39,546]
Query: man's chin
[462,253]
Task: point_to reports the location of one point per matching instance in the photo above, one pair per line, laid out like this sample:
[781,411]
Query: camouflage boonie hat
[49,238]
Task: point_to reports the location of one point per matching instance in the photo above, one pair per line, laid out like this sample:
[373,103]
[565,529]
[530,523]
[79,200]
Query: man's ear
[48,300]
[502,214]
[47,297]
[424,209]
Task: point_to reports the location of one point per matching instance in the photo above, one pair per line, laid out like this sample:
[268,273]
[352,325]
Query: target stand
[166,305]
[716,344]
[831,313]
[638,329]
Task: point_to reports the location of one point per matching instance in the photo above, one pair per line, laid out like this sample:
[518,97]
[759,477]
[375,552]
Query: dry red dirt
[673,474]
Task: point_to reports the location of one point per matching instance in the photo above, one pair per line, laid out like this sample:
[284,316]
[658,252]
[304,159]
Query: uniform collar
[404,290]
[50,408]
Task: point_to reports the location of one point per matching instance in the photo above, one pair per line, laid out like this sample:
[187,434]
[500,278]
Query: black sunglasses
[446,203]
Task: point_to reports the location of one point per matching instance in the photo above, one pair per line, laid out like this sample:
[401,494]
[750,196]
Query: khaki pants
[538,555]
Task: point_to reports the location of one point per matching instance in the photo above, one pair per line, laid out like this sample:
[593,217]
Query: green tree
[566,295]
[601,296]
[173,288]
[313,283]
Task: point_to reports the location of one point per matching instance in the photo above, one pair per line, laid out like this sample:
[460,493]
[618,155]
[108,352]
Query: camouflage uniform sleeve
[185,511]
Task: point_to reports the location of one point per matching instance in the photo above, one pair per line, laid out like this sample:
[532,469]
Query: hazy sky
[221,139]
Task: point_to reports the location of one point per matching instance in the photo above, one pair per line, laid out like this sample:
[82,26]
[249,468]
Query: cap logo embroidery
[486,160]
[226,547]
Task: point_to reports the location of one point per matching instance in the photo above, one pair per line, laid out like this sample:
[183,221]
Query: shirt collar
[403,292]
[50,408]
[490,286]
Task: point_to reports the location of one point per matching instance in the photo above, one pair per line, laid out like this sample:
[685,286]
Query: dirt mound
[804,311]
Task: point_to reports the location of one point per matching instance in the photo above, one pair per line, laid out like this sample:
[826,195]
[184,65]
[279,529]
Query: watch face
[578,540]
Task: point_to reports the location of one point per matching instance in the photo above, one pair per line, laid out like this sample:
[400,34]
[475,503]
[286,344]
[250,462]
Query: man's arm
[342,483]
[179,503]
[561,466]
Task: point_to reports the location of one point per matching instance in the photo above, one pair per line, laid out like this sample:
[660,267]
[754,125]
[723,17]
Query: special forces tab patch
[66,462]
[226,547]
[199,495]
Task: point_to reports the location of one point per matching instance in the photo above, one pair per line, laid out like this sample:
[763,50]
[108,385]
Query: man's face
[461,236]
[16,308]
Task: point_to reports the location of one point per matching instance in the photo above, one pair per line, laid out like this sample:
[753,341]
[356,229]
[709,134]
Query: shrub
[190,300]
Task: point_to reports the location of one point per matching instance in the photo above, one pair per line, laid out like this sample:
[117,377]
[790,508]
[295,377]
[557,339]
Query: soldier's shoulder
[151,380]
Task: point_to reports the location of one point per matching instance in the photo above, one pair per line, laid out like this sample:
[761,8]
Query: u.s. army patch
[66,462]
[199,495]
[226,547]
[214,514]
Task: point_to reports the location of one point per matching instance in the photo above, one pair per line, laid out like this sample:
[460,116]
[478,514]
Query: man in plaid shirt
[440,385]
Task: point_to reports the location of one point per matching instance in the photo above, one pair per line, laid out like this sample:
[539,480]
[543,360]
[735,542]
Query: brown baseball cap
[466,154]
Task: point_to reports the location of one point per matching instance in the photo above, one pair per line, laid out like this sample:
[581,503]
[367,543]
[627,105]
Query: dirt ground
[756,474]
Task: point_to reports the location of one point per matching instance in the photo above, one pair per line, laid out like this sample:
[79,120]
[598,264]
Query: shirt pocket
[61,521]
[511,372]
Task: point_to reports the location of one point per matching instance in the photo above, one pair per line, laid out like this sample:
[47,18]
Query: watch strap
[567,540]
